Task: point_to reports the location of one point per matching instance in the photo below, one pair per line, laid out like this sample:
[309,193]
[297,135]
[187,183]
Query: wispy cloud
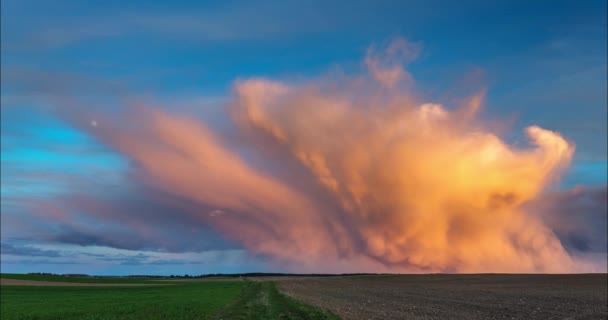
[263,20]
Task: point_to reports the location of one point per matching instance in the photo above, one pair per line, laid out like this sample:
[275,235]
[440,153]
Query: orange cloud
[400,184]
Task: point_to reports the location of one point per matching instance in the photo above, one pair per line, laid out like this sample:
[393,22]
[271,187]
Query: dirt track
[457,296]
[16,282]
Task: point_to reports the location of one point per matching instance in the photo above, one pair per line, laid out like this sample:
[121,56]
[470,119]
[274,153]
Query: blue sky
[541,63]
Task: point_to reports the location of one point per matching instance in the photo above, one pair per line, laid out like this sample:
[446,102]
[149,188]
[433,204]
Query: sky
[193,137]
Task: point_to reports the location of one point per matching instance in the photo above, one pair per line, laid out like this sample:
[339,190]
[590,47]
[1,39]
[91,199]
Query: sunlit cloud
[360,174]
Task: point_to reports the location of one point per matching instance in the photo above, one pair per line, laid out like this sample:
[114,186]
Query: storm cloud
[358,173]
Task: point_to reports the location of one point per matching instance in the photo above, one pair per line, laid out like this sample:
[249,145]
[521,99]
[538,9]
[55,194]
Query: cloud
[189,161]
[130,220]
[62,258]
[387,66]
[356,174]
[40,262]
[10,249]
[577,216]
[200,24]
[141,259]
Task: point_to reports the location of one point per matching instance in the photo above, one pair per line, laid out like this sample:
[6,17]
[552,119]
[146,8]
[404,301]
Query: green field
[184,300]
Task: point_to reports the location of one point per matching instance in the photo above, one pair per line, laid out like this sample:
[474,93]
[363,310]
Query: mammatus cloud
[358,174]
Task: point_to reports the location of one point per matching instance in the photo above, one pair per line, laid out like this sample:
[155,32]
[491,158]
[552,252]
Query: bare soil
[214,279]
[441,296]
[17,282]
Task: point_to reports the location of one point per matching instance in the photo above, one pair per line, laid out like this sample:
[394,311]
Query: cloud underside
[353,174]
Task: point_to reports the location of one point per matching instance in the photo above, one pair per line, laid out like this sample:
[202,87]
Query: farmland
[150,300]
[432,296]
[443,296]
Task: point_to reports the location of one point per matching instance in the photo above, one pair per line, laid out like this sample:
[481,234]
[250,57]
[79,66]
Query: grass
[227,300]
[188,301]
[263,301]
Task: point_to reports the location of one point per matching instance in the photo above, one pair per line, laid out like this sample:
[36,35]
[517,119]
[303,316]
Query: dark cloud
[124,259]
[131,220]
[161,262]
[17,250]
[148,259]
[39,262]
[78,237]
[577,216]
